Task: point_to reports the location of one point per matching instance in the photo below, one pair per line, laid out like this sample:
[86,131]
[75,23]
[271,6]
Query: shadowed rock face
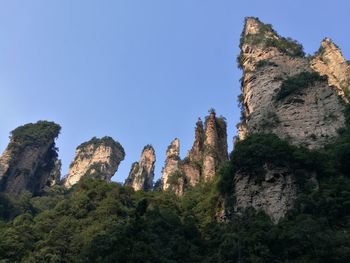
[275,194]
[97,158]
[209,150]
[309,117]
[142,173]
[30,160]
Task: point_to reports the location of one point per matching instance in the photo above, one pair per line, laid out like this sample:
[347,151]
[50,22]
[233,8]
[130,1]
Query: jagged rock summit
[142,173]
[330,62]
[300,99]
[209,150]
[97,158]
[30,160]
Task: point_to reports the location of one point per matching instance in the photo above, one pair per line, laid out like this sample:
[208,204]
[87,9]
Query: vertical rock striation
[30,160]
[208,151]
[215,145]
[142,173]
[172,165]
[284,93]
[329,61]
[97,158]
[275,194]
[309,115]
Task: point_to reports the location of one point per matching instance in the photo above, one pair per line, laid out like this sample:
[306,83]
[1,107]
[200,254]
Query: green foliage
[265,63]
[175,177]
[251,155]
[286,45]
[97,221]
[296,83]
[34,134]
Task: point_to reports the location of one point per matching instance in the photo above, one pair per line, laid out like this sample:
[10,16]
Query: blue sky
[139,71]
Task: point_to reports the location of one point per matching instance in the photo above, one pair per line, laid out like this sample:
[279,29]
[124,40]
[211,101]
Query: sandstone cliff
[30,160]
[209,150]
[299,99]
[309,116]
[142,173]
[172,166]
[330,62]
[97,158]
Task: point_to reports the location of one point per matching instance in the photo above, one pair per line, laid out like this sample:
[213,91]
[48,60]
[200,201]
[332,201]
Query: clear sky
[141,71]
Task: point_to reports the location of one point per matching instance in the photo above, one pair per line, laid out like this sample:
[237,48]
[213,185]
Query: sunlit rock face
[172,163]
[202,162]
[310,116]
[330,62]
[97,158]
[30,160]
[142,173]
[215,145]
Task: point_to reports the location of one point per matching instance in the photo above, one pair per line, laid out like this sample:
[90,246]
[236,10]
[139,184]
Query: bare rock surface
[142,173]
[97,158]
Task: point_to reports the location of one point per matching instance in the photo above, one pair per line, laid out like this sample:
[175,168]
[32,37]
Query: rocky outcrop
[209,150]
[142,173]
[97,158]
[172,165]
[275,194]
[309,116]
[197,150]
[329,61]
[30,160]
[282,94]
[215,145]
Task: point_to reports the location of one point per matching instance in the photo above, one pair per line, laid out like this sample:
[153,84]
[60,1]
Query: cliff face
[330,62]
[97,158]
[275,194]
[30,160]
[308,116]
[172,164]
[209,150]
[142,173]
[282,94]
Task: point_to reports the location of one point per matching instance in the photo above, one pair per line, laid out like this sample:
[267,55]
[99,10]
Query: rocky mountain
[142,173]
[282,93]
[209,150]
[300,99]
[97,158]
[30,160]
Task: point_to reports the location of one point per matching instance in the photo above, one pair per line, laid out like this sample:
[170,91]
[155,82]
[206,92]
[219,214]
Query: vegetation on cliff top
[106,141]
[34,134]
[268,37]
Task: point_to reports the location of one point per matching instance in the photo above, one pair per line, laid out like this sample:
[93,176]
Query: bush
[296,83]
